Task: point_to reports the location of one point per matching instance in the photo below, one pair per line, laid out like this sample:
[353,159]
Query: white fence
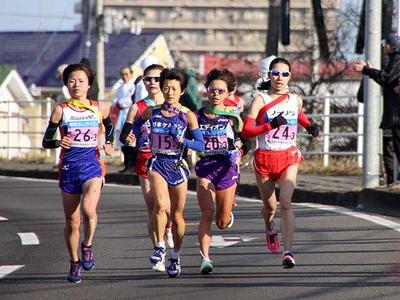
[22,128]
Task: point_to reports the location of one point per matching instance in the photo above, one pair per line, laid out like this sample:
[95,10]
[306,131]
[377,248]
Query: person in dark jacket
[388,78]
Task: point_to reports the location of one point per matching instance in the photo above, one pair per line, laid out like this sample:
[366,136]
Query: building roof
[12,85]
[37,55]
[300,69]
[4,71]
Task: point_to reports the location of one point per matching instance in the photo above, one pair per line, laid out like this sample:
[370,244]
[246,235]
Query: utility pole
[372,94]
[100,48]
[86,28]
[273,28]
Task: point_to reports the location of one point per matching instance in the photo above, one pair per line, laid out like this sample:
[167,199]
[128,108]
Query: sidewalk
[343,191]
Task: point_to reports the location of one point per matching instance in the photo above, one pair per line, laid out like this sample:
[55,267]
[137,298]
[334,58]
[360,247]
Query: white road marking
[3,219]
[28,179]
[218,241]
[28,238]
[5,270]
[368,217]
[345,211]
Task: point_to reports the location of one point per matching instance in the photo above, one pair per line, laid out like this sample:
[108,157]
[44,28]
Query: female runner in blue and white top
[167,171]
[81,171]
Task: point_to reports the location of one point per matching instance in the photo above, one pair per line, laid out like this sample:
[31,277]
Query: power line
[15,14]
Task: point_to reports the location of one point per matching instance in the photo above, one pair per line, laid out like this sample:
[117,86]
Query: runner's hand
[278,121]
[66,141]
[108,148]
[313,130]
[130,139]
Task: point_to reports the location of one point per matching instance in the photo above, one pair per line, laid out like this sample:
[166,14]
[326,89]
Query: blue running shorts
[174,171]
[74,175]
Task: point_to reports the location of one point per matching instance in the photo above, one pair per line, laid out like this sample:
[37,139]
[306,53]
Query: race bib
[83,132]
[165,144]
[215,145]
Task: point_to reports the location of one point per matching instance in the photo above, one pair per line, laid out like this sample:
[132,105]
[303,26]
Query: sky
[38,15]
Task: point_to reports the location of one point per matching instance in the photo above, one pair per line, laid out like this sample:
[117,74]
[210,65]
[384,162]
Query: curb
[366,200]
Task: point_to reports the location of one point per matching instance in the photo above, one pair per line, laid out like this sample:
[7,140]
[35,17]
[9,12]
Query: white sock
[160,244]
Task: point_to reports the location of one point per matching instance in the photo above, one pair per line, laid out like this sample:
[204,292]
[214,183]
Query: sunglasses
[279,73]
[150,78]
[213,90]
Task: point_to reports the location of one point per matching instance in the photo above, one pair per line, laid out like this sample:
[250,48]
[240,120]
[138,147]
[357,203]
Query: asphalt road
[339,255]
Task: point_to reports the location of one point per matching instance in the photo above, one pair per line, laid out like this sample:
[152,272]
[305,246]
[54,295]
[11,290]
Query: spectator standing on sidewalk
[123,101]
[388,78]
[81,172]
[273,120]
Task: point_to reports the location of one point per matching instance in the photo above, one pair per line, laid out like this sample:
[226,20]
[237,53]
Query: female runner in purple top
[217,171]
[167,171]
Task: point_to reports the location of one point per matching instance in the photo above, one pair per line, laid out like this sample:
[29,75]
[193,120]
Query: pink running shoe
[272,238]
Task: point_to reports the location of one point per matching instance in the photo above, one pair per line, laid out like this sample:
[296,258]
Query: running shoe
[159,266]
[230,224]
[169,238]
[288,260]
[87,257]
[272,238]
[158,255]
[74,275]
[206,266]
[174,269]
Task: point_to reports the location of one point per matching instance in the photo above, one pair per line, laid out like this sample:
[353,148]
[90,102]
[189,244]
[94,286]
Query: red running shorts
[141,163]
[271,164]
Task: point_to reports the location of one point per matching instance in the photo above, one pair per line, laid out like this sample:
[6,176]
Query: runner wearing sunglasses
[217,171]
[273,120]
[263,85]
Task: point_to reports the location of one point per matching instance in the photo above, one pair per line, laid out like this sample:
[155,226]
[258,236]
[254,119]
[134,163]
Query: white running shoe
[169,238]
[158,255]
[159,266]
[231,221]
[174,269]
[206,266]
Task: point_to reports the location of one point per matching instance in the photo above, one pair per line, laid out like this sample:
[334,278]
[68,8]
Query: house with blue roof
[31,80]
[37,55]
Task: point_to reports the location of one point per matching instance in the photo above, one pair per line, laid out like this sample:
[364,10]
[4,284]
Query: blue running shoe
[158,255]
[174,269]
[74,275]
[87,257]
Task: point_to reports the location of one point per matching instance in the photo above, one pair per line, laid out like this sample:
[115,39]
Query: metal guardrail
[20,122]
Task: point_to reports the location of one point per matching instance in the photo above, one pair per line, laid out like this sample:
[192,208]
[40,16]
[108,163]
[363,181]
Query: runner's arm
[48,141]
[197,143]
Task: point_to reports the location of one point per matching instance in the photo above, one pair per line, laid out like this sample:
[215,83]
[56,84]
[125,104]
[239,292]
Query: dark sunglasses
[279,73]
[213,90]
[150,78]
